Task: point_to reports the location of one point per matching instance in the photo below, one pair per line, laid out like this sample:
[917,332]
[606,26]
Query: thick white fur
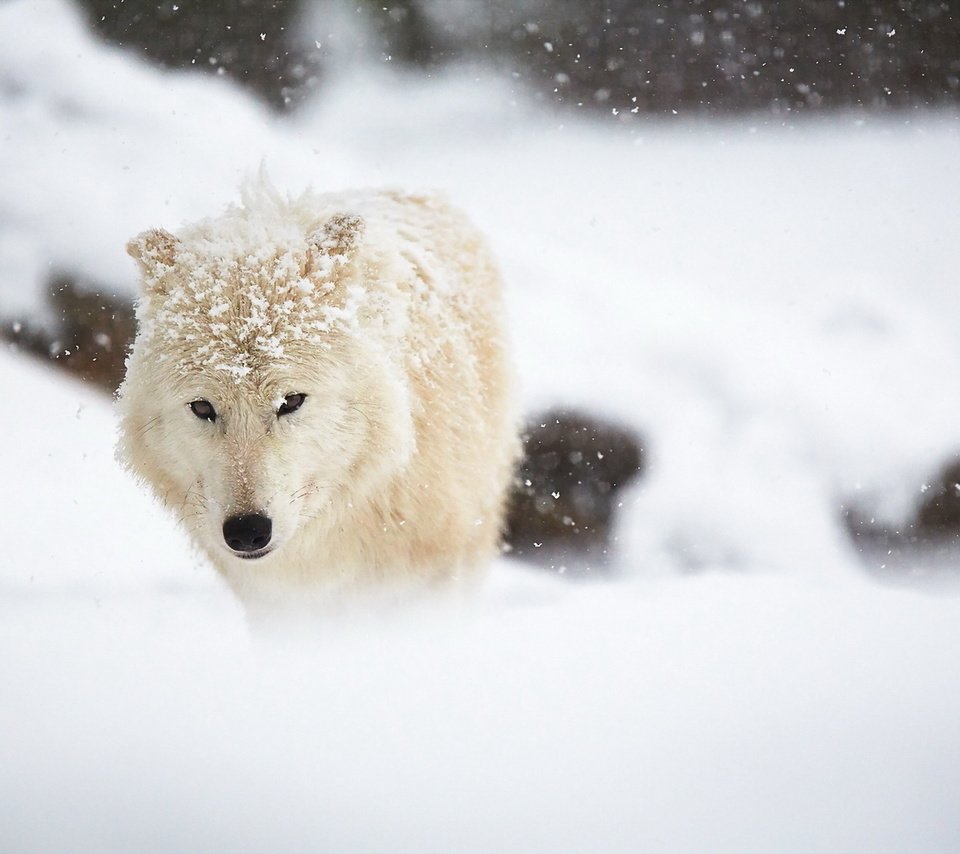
[385,310]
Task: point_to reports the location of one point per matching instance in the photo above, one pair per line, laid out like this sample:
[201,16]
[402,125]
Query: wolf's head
[256,399]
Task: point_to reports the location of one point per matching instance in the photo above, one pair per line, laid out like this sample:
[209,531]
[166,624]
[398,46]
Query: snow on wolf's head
[255,390]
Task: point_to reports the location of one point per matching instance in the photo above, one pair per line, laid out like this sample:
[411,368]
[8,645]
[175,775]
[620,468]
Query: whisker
[304,491]
[357,408]
[149,425]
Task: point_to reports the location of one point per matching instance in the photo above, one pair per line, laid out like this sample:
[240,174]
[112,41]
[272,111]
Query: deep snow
[724,711]
[772,307]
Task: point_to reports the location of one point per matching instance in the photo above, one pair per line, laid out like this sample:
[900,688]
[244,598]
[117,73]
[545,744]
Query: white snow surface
[772,307]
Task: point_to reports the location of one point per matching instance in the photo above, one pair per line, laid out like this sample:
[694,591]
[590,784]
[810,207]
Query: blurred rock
[922,547]
[563,502]
[935,521]
[90,337]
[939,515]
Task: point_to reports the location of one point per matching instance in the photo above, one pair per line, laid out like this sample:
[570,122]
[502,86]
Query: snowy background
[771,305]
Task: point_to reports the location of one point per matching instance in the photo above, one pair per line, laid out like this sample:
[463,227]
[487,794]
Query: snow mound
[711,713]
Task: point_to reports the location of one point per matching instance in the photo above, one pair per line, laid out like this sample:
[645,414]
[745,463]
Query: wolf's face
[245,464]
[250,405]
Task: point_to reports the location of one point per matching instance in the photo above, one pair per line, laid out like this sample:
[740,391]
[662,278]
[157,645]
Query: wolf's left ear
[334,243]
[154,251]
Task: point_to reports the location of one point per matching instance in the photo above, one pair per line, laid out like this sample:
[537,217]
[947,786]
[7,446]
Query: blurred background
[629,56]
[624,66]
[728,232]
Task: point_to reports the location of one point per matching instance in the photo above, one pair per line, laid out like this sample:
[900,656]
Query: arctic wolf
[319,389]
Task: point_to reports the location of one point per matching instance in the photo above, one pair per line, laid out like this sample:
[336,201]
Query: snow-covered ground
[773,308]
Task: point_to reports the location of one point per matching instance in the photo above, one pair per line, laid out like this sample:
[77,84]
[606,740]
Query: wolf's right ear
[154,251]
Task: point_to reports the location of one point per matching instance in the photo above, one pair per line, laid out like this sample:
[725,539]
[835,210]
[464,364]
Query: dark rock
[924,546]
[90,337]
[936,521]
[565,494]
[939,515]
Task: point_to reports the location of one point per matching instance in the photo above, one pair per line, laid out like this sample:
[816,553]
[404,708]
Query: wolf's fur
[385,310]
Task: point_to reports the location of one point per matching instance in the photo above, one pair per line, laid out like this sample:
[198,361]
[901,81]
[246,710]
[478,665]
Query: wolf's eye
[291,403]
[204,409]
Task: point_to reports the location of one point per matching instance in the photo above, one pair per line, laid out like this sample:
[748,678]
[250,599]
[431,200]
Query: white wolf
[319,388]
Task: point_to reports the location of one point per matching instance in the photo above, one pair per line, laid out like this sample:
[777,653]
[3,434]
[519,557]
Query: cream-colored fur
[385,311]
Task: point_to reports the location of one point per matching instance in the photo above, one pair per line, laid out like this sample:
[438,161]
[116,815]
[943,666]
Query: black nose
[248,533]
